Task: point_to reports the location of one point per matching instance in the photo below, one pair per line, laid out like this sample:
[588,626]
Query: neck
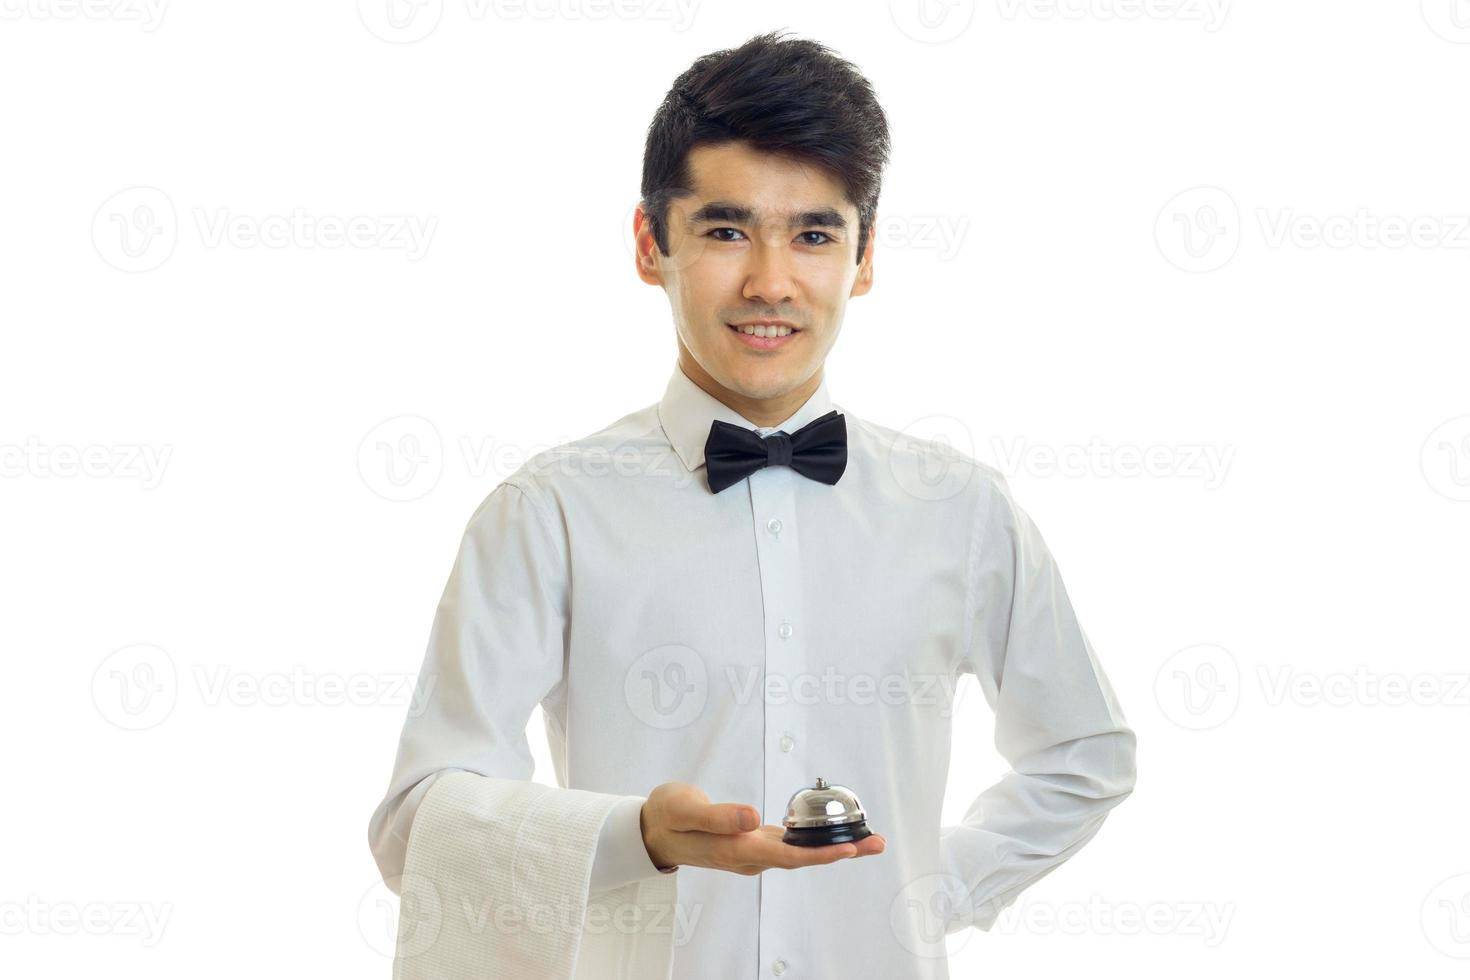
[764,412]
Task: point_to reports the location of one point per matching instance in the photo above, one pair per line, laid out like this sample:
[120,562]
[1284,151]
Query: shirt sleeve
[621,856]
[496,649]
[1057,721]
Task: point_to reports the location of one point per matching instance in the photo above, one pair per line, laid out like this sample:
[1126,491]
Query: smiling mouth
[759,330]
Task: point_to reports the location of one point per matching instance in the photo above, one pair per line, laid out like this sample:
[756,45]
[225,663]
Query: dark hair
[789,96]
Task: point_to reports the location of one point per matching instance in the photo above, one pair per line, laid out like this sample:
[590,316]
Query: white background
[1190,230]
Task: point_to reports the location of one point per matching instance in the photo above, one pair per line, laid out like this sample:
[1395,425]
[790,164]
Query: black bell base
[822,836]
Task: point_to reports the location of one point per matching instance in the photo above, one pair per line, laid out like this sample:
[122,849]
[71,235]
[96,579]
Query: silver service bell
[824,814]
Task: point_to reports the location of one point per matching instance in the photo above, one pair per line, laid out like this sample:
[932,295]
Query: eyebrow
[742,215]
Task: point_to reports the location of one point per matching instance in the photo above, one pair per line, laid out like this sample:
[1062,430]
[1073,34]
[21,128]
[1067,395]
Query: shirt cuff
[621,854]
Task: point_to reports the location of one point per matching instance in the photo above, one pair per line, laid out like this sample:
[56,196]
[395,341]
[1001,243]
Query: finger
[802,857]
[768,850]
[715,818]
[807,857]
[731,818]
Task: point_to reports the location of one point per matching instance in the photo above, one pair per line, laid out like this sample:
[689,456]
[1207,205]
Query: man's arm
[1057,721]
[496,650]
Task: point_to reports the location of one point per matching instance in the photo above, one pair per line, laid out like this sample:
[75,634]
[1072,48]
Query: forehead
[772,184]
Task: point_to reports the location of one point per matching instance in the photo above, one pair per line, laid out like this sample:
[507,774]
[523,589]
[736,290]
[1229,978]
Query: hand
[681,826]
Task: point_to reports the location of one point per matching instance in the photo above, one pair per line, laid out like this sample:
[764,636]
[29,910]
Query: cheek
[830,277]
[708,287]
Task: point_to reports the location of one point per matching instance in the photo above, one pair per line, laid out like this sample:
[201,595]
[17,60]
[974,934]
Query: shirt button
[784,630]
[778,967]
[787,742]
[774,525]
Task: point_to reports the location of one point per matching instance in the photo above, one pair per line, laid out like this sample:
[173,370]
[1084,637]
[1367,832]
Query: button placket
[773,499]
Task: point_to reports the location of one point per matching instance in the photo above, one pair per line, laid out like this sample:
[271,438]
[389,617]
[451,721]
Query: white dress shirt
[752,640]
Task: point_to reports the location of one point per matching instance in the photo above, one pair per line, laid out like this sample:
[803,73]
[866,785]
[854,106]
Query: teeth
[759,331]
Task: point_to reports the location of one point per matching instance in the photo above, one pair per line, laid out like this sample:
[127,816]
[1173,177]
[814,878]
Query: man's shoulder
[937,450]
[634,436]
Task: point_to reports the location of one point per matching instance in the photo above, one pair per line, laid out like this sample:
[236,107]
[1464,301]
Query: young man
[744,587]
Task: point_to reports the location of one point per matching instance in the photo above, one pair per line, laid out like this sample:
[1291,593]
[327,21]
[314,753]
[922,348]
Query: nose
[769,277]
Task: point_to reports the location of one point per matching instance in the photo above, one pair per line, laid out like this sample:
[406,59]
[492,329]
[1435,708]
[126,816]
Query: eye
[825,237]
[716,231]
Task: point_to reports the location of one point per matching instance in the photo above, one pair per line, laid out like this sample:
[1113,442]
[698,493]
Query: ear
[864,281]
[645,249]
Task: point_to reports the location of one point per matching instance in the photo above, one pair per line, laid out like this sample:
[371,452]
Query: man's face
[761,238]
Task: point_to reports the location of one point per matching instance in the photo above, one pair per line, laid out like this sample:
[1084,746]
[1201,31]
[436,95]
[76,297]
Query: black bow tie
[817,450]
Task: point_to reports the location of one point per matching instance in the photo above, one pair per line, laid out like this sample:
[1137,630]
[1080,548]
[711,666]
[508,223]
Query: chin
[762,383]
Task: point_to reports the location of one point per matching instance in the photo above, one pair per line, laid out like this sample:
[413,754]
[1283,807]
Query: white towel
[495,887]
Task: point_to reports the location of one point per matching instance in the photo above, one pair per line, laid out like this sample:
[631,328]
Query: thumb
[722,818]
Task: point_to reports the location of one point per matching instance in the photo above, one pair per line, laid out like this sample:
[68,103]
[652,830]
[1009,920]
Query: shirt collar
[686,411]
